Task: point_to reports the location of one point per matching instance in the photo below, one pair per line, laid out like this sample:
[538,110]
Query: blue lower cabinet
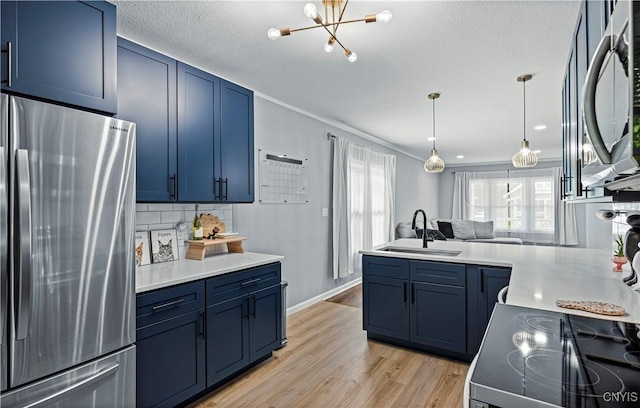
[492,280]
[265,330]
[170,359]
[227,338]
[241,331]
[438,316]
[385,306]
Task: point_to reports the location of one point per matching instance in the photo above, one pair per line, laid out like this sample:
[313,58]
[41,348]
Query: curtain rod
[329,136]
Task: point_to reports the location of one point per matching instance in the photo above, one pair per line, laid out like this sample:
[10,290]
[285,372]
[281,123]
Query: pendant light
[525,157]
[434,164]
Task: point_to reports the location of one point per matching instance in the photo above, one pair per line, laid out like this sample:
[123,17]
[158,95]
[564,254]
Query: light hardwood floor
[330,363]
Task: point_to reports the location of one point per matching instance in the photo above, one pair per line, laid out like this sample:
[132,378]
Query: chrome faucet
[424,230]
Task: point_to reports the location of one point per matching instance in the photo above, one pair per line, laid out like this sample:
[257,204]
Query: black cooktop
[532,357]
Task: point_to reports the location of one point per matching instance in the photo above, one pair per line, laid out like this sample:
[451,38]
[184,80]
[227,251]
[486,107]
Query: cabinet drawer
[385,267]
[163,304]
[229,286]
[438,272]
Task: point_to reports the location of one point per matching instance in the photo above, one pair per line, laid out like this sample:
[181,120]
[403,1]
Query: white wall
[299,232]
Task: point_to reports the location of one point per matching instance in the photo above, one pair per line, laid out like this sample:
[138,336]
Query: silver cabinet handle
[101,375]
[162,306]
[3,240]
[23,256]
[589,100]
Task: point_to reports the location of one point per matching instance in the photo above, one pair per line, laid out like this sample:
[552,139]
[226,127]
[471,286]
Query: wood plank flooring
[330,363]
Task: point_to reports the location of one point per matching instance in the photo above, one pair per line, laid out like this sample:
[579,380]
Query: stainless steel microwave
[611,102]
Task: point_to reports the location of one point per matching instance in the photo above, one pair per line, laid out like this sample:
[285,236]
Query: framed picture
[164,246]
[142,248]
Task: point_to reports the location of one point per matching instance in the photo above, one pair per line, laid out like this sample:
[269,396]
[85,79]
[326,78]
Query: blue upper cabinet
[236,145]
[147,96]
[62,51]
[198,135]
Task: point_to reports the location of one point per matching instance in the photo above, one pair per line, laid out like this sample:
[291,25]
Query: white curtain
[340,208]
[363,203]
[566,232]
[460,196]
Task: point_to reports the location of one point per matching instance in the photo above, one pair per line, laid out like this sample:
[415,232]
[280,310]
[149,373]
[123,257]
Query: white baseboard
[323,296]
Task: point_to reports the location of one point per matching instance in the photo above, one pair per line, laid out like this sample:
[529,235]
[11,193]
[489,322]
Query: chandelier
[524,157]
[434,164]
[334,12]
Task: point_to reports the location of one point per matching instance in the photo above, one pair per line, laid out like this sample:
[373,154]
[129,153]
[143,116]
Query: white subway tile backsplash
[166,216]
[148,217]
[160,207]
[162,226]
[184,207]
[172,216]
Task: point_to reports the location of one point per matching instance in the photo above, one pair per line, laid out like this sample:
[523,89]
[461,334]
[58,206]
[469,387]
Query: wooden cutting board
[209,222]
[602,308]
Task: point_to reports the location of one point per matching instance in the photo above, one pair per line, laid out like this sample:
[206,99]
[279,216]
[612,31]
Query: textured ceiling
[469,51]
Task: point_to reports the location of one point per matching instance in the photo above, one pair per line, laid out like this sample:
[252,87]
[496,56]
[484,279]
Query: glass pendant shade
[434,164]
[525,157]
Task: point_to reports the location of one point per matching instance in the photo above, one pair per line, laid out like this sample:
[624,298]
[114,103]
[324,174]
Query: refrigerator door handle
[88,382]
[4,236]
[23,258]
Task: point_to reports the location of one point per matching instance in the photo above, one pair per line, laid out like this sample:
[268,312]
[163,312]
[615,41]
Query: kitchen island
[540,275]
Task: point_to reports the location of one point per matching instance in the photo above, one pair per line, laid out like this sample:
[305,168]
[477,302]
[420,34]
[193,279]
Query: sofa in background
[467,230]
[457,230]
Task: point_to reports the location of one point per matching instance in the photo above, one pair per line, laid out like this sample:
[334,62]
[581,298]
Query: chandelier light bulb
[351,56]
[310,11]
[328,47]
[273,33]
[384,17]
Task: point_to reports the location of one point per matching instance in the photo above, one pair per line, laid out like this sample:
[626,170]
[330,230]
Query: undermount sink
[425,251]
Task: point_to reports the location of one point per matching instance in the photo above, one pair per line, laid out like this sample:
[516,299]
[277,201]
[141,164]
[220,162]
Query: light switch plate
[325,212]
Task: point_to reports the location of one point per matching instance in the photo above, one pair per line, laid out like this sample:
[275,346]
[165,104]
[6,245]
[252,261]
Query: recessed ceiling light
[460,156]
[431,139]
[540,127]
[537,151]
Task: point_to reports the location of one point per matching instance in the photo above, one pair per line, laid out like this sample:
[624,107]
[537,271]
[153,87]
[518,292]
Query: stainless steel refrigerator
[67,208]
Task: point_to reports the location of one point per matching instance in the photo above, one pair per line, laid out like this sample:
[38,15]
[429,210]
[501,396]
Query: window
[518,205]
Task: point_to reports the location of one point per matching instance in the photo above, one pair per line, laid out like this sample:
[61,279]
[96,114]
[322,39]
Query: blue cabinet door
[170,359]
[596,24]
[63,51]
[198,135]
[265,316]
[439,316]
[492,280]
[147,96]
[227,338]
[385,306]
[236,144]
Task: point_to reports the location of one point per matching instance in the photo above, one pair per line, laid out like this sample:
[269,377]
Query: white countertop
[157,276]
[542,274]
